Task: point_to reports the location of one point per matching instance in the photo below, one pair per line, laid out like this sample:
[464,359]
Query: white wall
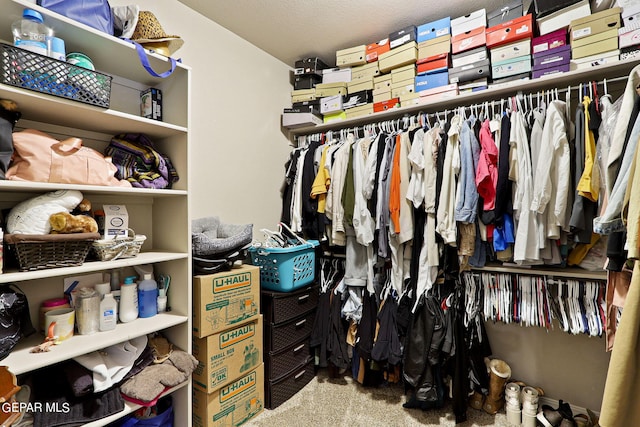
[238,149]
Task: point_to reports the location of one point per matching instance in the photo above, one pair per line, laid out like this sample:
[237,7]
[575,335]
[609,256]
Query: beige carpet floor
[342,402]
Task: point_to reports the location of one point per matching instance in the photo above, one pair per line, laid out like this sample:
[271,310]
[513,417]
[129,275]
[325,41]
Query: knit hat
[150,34]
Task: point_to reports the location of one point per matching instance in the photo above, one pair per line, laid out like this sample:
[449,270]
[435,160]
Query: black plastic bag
[15,321]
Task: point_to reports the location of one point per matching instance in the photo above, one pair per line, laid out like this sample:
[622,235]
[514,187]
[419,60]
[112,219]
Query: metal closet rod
[393,124]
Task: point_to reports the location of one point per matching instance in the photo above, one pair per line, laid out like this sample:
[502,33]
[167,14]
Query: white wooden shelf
[41,187]
[561,80]
[150,257]
[539,270]
[21,360]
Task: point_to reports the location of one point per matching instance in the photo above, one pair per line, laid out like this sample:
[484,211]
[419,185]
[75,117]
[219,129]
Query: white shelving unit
[161,215]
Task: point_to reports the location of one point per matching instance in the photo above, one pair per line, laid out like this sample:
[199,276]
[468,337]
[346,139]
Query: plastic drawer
[278,307]
[281,336]
[278,364]
[279,391]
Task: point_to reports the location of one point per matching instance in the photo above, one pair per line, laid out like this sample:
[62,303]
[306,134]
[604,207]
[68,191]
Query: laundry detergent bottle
[148,296]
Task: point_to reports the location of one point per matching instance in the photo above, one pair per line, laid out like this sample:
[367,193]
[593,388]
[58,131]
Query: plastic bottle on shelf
[128,300]
[108,312]
[31,33]
[148,296]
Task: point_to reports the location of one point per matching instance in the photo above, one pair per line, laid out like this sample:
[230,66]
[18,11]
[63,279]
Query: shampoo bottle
[128,300]
[148,296]
[108,313]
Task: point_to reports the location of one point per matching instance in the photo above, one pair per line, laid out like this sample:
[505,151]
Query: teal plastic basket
[285,269]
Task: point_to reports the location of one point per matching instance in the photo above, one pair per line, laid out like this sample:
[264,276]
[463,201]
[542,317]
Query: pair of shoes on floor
[560,417]
[587,420]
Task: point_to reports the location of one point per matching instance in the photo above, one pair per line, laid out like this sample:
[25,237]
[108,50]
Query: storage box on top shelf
[555,39]
[407,72]
[595,60]
[306,66]
[471,39]
[382,94]
[511,67]
[331,104]
[402,88]
[382,82]
[511,50]
[303,95]
[367,71]
[509,11]
[474,85]
[308,81]
[596,44]
[562,18]
[379,107]
[351,56]
[359,111]
[510,31]
[330,89]
[434,47]
[433,29]
[556,60]
[233,404]
[225,299]
[438,93]
[403,36]
[630,14]
[357,99]
[543,8]
[332,117]
[374,50]
[312,107]
[629,36]
[630,53]
[434,64]
[336,75]
[463,24]
[469,57]
[409,99]
[403,55]
[510,80]
[226,356]
[470,72]
[355,86]
[595,24]
[430,81]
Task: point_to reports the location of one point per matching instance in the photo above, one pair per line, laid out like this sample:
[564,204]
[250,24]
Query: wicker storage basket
[121,247]
[39,252]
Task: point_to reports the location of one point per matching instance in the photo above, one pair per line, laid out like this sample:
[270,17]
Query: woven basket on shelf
[120,247]
[39,252]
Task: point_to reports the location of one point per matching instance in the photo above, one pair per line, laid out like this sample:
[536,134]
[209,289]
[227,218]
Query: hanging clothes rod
[391,125]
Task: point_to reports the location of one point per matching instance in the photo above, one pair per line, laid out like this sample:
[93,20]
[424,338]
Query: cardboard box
[294,120]
[359,111]
[430,81]
[409,99]
[629,37]
[336,75]
[462,24]
[338,115]
[469,57]
[563,17]
[474,71]
[303,95]
[355,86]
[330,104]
[226,356]
[536,74]
[511,31]
[403,36]
[365,72]
[233,404]
[309,66]
[549,41]
[376,49]
[434,29]
[403,73]
[351,56]
[436,65]
[357,99]
[596,23]
[595,60]
[331,89]
[511,67]
[226,299]
[469,40]
[434,47]
[116,221]
[403,55]
[547,7]
[402,88]
[151,104]
[308,81]
[599,45]
[512,50]
[560,55]
[509,11]
[386,105]
[382,82]
[381,95]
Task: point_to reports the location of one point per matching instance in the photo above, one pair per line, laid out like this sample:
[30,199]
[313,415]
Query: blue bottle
[147,296]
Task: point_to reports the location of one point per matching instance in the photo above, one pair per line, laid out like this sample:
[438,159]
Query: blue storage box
[285,269]
[431,30]
[429,81]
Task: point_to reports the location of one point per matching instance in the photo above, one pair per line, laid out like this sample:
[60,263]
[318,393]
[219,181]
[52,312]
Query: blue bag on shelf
[94,13]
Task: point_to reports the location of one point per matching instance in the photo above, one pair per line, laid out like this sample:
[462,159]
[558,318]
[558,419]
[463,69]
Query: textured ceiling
[293,29]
